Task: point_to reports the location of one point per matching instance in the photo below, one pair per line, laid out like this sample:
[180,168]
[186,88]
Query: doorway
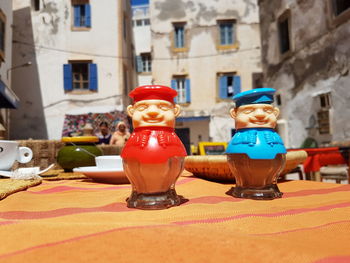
[184,135]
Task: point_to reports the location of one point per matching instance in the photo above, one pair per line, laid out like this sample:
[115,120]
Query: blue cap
[254,96]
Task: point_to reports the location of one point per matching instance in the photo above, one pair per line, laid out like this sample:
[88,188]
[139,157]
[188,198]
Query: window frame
[138,22]
[337,19]
[185,91]
[3,48]
[36,5]
[92,77]
[326,99]
[144,66]
[87,24]
[234,44]
[236,85]
[285,16]
[175,48]
[324,113]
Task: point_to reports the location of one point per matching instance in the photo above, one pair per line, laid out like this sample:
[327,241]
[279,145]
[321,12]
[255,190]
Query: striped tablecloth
[83,221]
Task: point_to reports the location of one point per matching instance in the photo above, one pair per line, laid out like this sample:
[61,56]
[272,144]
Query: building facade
[208,51]
[306,57]
[81,55]
[8,99]
[142,39]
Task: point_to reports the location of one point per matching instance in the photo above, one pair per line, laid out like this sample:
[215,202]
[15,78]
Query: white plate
[114,176]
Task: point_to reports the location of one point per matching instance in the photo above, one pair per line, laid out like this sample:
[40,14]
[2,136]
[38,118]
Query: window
[325,101]
[36,5]
[283,33]
[340,11]
[182,85]
[179,35]
[82,15]
[229,85]
[340,6]
[2,35]
[227,36]
[323,114]
[144,62]
[80,76]
[139,22]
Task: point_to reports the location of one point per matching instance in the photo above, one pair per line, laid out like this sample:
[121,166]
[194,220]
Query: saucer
[112,176]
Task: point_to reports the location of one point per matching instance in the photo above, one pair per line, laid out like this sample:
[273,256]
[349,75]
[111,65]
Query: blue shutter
[139,65]
[93,77]
[87,15]
[67,77]
[77,15]
[236,84]
[173,86]
[188,90]
[223,87]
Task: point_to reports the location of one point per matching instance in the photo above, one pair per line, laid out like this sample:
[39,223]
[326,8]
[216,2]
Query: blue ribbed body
[257,143]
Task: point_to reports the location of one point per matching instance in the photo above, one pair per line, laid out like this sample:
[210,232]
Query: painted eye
[1,149]
[268,110]
[141,107]
[247,111]
[164,107]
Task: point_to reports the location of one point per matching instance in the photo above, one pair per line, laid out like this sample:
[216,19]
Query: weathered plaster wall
[45,38]
[319,63]
[203,60]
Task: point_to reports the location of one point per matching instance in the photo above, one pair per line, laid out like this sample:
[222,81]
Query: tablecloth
[318,157]
[84,221]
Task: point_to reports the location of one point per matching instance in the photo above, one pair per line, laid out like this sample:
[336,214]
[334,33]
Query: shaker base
[268,192]
[154,201]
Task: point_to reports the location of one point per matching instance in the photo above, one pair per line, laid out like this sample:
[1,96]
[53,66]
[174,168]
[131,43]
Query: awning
[193,118]
[8,98]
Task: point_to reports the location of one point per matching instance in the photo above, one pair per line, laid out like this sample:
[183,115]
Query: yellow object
[194,149]
[212,148]
[80,139]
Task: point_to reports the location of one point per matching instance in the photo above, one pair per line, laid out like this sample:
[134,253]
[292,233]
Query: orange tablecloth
[318,157]
[83,221]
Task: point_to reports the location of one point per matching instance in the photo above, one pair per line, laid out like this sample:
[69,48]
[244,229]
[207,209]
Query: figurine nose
[153,111]
[259,113]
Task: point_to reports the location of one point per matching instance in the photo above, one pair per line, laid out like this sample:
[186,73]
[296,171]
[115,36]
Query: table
[84,221]
[318,157]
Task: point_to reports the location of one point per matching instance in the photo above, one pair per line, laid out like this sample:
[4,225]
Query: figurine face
[255,116]
[160,113]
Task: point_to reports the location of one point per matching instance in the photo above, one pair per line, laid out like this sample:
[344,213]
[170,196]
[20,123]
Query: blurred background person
[104,135]
[120,136]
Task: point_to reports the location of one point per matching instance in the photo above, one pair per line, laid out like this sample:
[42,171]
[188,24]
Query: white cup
[10,152]
[109,162]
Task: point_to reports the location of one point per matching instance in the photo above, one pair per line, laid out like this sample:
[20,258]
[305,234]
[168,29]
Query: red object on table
[153,145]
[318,157]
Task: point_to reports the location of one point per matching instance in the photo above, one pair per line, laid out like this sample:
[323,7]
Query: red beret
[153,92]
